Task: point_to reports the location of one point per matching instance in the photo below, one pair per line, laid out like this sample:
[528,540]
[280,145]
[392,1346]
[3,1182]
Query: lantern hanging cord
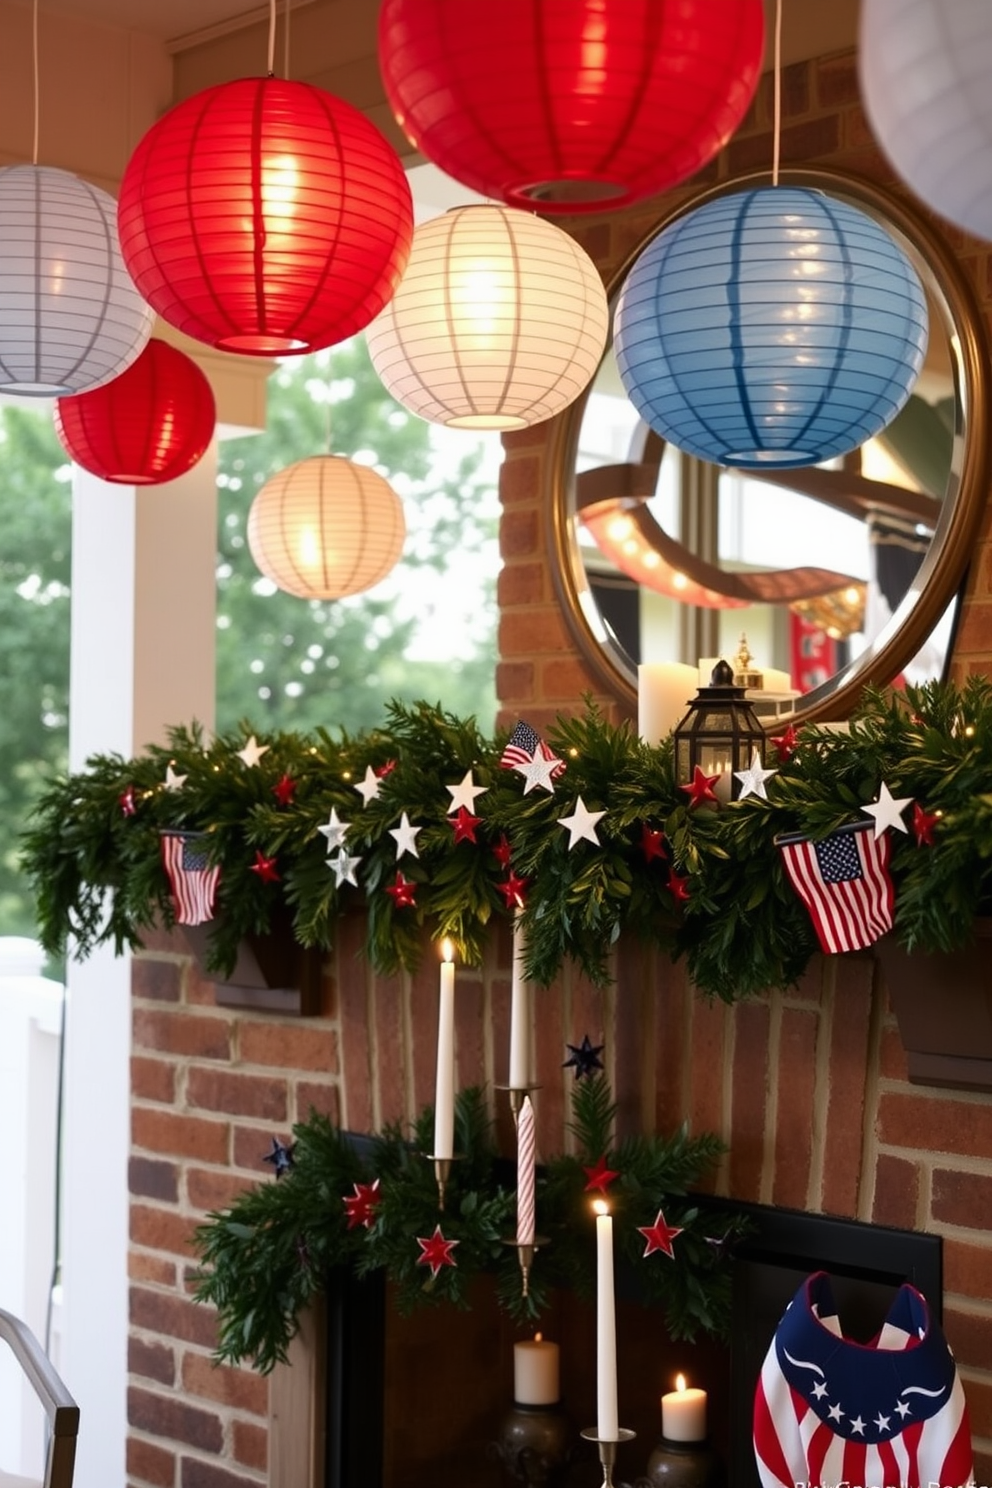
[285,41]
[271,69]
[777,92]
[37,86]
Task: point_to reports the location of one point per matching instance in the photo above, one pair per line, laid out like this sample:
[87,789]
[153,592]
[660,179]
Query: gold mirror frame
[951,546]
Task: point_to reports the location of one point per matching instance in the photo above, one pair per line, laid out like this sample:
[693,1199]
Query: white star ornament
[405,837]
[581,824]
[334,830]
[887,811]
[753,779]
[464,794]
[368,788]
[252,752]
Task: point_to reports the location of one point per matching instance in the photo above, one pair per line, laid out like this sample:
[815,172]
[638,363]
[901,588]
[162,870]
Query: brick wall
[808,1089]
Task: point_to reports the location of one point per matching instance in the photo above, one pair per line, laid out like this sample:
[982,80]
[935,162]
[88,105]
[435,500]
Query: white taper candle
[607,1422]
[444,1088]
[519,1078]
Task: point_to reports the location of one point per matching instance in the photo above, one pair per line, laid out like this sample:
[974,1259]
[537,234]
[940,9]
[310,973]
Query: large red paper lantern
[266,217]
[572,105]
[151,424]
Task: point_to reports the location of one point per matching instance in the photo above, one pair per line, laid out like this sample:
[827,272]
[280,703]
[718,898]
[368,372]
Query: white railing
[30,1037]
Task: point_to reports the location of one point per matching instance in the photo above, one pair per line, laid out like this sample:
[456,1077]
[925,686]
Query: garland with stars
[437,831]
[376,1209]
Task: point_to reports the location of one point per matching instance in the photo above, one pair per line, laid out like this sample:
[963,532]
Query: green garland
[96,865]
[270,1252]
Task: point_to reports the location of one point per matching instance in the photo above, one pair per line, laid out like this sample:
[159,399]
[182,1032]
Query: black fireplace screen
[415,1402]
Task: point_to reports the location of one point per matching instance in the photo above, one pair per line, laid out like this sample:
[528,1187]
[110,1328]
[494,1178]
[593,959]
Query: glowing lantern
[572,105]
[266,217]
[326,527]
[151,424]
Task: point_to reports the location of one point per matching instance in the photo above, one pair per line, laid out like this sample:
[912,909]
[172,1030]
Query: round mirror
[816,580]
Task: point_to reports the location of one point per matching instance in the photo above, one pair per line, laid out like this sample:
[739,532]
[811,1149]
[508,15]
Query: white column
[143,622]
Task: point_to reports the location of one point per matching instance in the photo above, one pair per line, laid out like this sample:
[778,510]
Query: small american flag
[522,746]
[192,877]
[844,882]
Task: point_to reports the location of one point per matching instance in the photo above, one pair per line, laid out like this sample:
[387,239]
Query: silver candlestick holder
[608,1448]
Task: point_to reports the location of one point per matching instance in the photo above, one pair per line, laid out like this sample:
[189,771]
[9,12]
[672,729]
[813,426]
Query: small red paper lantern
[571,105]
[151,424]
[266,217]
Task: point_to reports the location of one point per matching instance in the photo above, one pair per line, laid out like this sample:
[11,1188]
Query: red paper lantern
[265,216]
[572,105]
[149,425]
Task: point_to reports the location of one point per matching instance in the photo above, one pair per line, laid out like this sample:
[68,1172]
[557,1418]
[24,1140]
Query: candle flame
[600,1206]
[538,1337]
[447,949]
[680,1383]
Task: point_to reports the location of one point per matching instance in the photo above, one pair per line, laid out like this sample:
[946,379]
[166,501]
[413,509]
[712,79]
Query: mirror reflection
[804,579]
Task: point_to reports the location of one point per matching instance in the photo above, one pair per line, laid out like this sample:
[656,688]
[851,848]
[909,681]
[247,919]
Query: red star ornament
[786,743]
[659,1236]
[652,843]
[700,788]
[514,891]
[600,1177]
[502,850]
[127,802]
[436,1251]
[264,867]
[284,790]
[463,824]
[403,892]
[360,1206]
[924,823]
[678,886]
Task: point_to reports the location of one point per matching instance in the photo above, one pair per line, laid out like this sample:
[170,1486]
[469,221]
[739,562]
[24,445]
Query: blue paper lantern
[777,326]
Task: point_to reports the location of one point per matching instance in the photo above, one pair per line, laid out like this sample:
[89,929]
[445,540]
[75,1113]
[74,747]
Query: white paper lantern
[70,316]
[326,527]
[925,70]
[499,322]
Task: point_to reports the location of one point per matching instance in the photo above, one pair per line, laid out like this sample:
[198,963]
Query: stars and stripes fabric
[844,882]
[522,746]
[829,1411]
[193,879]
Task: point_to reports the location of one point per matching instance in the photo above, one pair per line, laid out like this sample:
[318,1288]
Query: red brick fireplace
[809,1089]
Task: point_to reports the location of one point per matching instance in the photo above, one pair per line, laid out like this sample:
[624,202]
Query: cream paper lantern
[925,69]
[326,527]
[499,322]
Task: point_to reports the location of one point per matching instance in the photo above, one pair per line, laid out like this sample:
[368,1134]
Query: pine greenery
[98,876]
[264,1258]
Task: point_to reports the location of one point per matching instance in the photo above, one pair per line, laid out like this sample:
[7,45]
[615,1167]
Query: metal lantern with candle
[720,734]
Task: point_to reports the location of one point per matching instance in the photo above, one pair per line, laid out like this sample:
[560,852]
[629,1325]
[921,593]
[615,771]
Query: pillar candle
[525,1172]
[683,1413]
[444,1088]
[607,1419]
[536,1372]
[664,691]
[519,1078]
